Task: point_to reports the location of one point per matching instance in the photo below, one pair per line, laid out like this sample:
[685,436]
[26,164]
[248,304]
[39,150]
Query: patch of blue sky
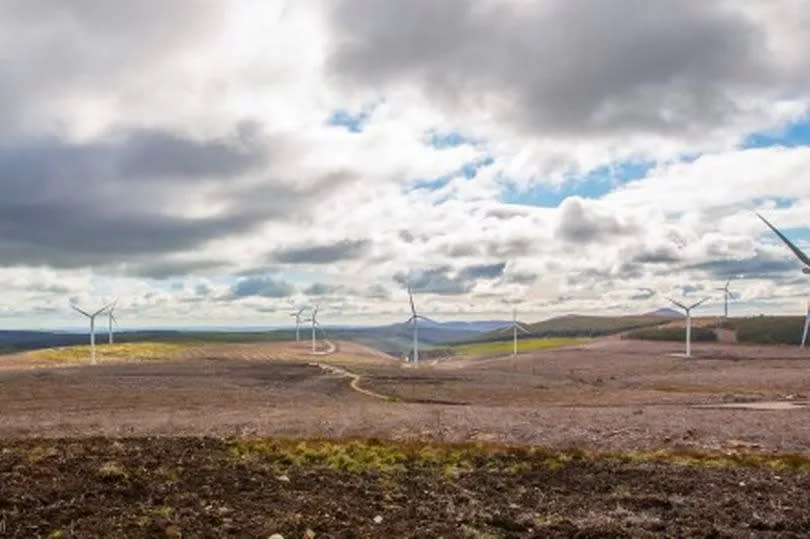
[795,134]
[780,203]
[441,140]
[595,184]
[352,122]
[468,171]
[798,235]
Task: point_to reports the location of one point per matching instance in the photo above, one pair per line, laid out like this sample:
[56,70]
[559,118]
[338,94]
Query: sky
[216,163]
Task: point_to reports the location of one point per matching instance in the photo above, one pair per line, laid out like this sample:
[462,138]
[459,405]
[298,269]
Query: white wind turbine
[92,318]
[298,321]
[688,310]
[414,320]
[806,269]
[315,325]
[110,319]
[515,327]
[726,295]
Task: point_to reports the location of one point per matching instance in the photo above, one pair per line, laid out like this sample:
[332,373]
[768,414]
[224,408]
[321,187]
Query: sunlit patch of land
[494,348]
[107,352]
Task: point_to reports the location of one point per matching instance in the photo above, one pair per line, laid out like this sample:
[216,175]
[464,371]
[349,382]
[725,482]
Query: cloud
[132,193]
[321,289]
[265,287]
[583,222]
[573,67]
[323,254]
[434,281]
[483,271]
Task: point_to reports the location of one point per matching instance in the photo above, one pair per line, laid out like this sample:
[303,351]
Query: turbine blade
[79,310]
[410,296]
[521,328]
[698,303]
[798,252]
[98,312]
[681,305]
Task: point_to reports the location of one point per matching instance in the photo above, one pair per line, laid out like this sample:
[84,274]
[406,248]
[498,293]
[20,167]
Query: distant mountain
[666,312]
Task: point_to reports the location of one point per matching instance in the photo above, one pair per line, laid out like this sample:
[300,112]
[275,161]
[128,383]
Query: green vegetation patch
[494,348]
[140,350]
[699,334]
[386,457]
[768,329]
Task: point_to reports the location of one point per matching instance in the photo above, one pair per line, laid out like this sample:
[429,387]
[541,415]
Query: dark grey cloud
[434,281]
[265,287]
[125,196]
[165,268]
[524,278]
[323,254]
[663,254]
[444,281]
[583,222]
[482,271]
[760,266]
[568,66]
[106,50]
[322,289]
[406,236]
[509,248]
[642,294]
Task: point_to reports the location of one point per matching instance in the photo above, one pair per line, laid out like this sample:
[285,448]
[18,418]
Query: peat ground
[208,487]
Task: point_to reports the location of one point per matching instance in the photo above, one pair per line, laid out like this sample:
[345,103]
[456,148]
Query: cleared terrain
[616,423]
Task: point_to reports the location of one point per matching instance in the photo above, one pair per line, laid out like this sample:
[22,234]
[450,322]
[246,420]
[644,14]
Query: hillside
[580,326]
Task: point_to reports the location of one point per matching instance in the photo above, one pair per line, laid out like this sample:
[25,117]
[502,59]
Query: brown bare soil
[203,487]
[605,395]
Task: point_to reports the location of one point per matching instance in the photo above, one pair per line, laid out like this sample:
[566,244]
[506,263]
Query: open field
[634,411]
[497,348]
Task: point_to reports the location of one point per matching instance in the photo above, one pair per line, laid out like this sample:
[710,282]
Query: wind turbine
[414,319]
[688,310]
[726,295]
[315,324]
[515,327]
[298,319]
[92,318]
[806,269]
[110,319]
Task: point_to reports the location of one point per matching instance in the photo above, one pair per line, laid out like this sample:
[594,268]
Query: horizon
[209,178]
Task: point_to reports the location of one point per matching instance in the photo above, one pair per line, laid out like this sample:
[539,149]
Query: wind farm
[494,269]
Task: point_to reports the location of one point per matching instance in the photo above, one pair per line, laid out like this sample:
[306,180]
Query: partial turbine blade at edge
[798,252]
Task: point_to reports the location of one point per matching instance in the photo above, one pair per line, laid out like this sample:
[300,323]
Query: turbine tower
[315,325]
[726,296]
[414,319]
[806,269]
[298,320]
[110,319]
[515,327]
[688,310]
[92,318]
